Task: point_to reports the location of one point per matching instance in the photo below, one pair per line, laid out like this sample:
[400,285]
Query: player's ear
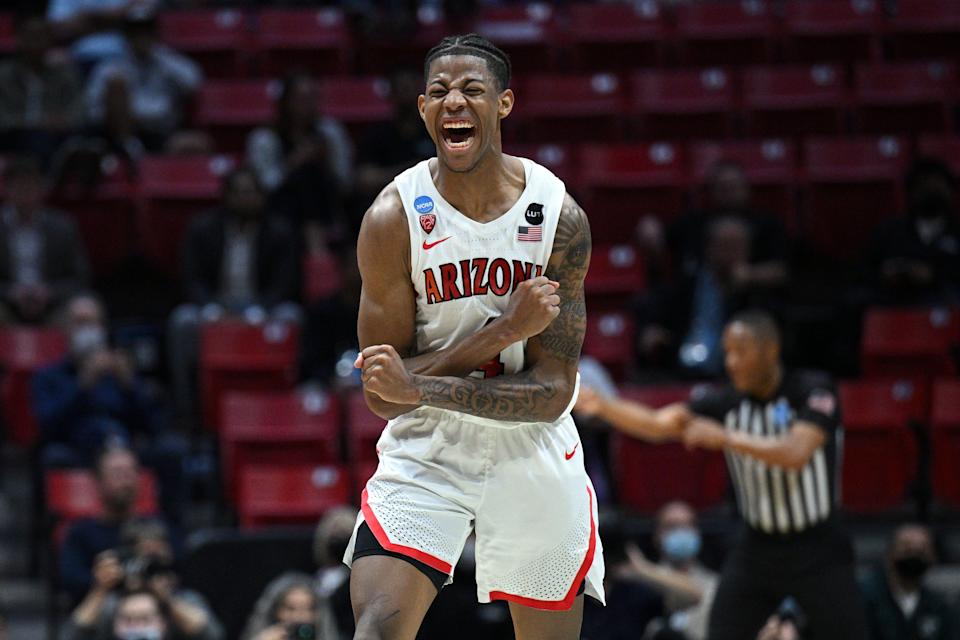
[506,103]
[421,104]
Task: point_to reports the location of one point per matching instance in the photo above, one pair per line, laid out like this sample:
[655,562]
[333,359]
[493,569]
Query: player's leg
[390,597]
[536,624]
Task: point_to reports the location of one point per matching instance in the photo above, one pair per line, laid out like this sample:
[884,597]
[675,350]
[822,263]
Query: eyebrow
[468,80]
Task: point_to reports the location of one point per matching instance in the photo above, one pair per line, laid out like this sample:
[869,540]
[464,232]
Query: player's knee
[373,616]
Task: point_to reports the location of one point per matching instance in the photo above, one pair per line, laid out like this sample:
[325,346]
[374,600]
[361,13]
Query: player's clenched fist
[384,374]
[533,305]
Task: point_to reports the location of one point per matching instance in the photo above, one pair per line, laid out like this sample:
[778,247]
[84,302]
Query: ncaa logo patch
[428,221]
[423,204]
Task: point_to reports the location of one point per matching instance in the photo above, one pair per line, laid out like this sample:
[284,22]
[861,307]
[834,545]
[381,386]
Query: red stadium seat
[229,109]
[72,494]
[281,427]
[7,38]
[569,108]
[717,32]
[173,189]
[622,183]
[851,185]
[916,342]
[314,39]
[772,168]
[527,32]
[561,159]
[794,100]
[609,339]
[238,356]
[946,148]
[217,39]
[683,104]
[832,30]
[104,214]
[321,277]
[945,421]
[879,449]
[23,351]
[923,29]
[907,97]
[356,101]
[616,36]
[649,475]
[616,273]
[290,494]
[363,429]
[362,472]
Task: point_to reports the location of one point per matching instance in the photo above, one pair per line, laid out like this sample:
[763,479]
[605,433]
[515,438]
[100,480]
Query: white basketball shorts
[523,490]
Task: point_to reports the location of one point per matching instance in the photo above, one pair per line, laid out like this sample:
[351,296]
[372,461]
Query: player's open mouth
[457,134]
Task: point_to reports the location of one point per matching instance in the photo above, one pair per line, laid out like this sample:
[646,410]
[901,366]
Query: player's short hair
[760,323]
[472,44]
[924,167]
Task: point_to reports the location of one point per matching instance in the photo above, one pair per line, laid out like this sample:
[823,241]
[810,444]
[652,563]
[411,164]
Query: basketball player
[781,432]
[471,321]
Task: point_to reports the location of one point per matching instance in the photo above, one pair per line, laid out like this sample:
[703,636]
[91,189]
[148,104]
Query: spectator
[631,605]
[389,148]
[144,562]
[898,605]
[330,339]
[40,98]
[92,25]
[333,577]
[118,484]
[686,585]
[685,321]
[304,160]
[916,258]
[138,98]
[238,261]
[287,604]
[765,264]
[42,262]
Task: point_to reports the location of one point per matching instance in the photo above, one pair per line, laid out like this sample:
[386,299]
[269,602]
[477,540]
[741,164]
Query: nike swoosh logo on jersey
[570,455]
[430,245]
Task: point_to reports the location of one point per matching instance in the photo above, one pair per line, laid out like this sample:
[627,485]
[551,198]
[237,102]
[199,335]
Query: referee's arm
[633,418]
[791,451]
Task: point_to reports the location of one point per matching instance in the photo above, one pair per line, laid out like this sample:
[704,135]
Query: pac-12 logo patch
[534,213]
[428,221]
[423,204]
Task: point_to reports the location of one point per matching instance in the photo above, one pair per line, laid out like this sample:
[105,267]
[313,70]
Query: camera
[140,569]
[301,632]
[790,611]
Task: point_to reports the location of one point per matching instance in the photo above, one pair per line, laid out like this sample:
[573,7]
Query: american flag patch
[822,401]
[530,234]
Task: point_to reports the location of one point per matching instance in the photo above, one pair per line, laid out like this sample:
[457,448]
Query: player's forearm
[635,420]
[667,581]
[459,360]
[466,355]
[776,452]
[523,397]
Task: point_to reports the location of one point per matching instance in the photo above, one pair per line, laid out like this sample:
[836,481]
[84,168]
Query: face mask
[87,339]
[140,634]
[911,568]
[680,545]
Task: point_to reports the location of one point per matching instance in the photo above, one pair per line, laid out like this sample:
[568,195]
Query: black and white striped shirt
[772,499]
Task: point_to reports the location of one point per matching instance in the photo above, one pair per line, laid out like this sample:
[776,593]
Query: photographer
[288,609]
[144,566]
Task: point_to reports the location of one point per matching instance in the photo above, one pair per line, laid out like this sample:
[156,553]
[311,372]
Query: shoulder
[385,222]
[572,224]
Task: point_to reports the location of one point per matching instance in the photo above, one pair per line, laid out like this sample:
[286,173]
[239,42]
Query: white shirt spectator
[95,47]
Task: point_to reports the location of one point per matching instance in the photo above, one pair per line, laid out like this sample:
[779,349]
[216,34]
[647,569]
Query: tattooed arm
[543,390]
[388,308]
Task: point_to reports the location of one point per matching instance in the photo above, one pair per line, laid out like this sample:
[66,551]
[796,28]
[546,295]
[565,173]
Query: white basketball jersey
[464,271]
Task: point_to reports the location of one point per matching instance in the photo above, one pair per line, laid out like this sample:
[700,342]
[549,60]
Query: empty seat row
[585,35]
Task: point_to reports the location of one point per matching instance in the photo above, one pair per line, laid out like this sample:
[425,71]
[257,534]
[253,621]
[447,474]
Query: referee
[781,433]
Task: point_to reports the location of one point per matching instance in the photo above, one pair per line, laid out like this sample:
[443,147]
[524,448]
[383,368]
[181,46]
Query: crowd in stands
[89,87]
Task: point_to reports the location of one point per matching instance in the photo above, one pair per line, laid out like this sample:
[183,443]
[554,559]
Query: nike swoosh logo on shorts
[430,245]
[570,455]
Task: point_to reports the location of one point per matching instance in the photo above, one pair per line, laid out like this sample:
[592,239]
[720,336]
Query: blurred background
[182,185]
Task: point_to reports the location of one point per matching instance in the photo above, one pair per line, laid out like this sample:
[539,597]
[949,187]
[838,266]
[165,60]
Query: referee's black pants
[815,567]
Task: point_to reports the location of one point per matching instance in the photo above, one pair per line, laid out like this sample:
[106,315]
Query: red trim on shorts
[381,536]
[567,602]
